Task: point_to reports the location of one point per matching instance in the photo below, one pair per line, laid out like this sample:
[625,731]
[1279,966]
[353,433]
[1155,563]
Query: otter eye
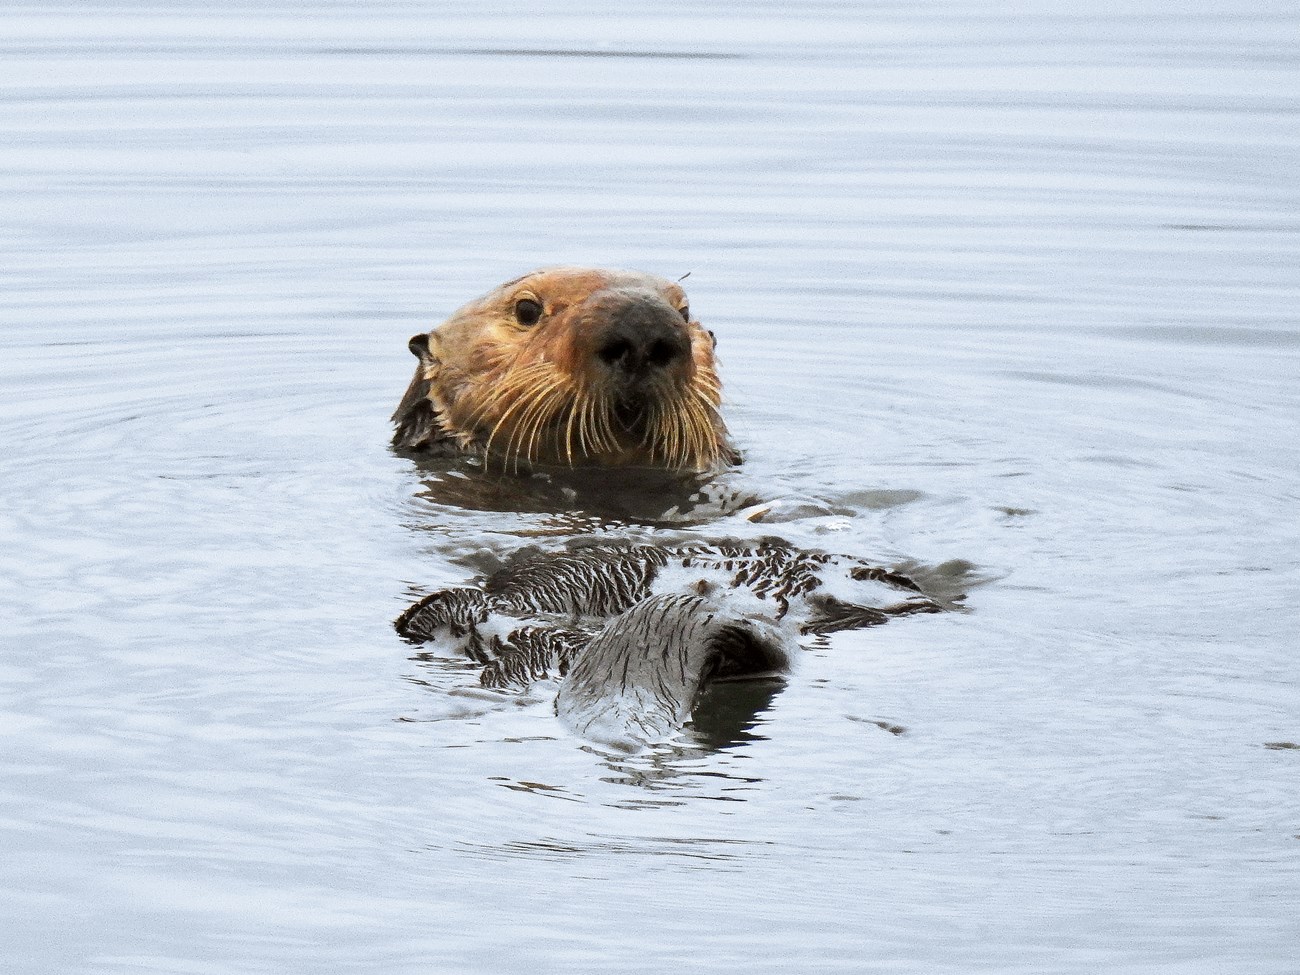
[528,312]
[685,312]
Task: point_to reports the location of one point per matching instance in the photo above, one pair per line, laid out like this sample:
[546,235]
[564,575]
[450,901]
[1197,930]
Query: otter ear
[423,347]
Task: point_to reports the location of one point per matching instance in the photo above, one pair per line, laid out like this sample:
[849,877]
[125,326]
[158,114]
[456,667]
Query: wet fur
[633,639]
[633,657]
[488,386]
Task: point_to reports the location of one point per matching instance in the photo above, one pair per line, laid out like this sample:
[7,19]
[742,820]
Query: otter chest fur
[634,632]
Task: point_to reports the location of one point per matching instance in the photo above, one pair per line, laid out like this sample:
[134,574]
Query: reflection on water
[717,852]
[614,496]
[727,714]
[1005,295]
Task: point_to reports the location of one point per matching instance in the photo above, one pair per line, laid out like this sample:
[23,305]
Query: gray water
[1013,286]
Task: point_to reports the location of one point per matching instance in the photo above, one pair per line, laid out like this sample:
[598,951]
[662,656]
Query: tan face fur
[571,366]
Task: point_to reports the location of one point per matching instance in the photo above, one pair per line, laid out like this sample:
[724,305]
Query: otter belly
[637,679]
[635,632]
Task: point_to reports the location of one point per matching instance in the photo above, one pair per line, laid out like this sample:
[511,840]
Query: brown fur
[570,366]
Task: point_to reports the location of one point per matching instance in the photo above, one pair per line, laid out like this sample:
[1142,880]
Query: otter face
[573,366]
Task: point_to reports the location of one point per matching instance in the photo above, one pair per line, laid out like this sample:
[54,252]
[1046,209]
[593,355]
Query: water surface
[1013,288]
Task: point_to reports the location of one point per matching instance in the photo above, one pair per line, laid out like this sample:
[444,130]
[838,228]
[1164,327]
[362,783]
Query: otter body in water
[574,367]
[636,631]
[596,369]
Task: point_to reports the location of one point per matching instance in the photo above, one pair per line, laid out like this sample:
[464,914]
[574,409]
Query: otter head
[570,366]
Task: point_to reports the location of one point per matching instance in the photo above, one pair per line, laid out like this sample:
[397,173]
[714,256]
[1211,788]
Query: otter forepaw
[453,612]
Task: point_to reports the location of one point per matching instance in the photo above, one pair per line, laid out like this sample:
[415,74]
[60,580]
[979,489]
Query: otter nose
[642,337]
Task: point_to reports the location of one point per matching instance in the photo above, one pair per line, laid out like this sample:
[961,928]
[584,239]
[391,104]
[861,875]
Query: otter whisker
[526,402]
[603,417]
[680,433]
[650,436]
[519,431]
[519,378]
[568,427]
[653,437]
[588,436]
[530,421]
[586,427]
[550,422]
[517,383]
[521,402]
[602,422]
[704,441]
[673,432]
[707,379]
[667,435]
[541,418]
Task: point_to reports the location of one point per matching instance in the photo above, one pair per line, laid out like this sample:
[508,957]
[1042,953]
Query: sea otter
[636,631]
[574,367]
[592,369]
